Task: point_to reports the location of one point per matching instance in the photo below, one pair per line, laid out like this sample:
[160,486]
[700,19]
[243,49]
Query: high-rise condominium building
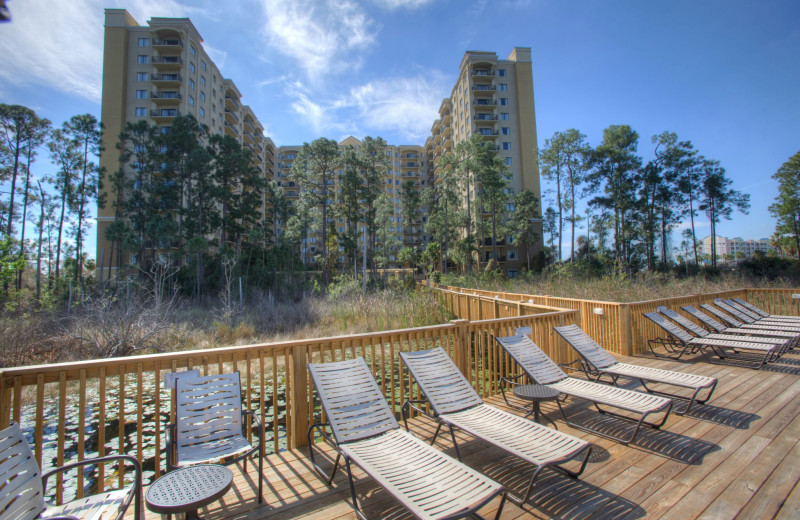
[493,98]
[734,249]
[156,72]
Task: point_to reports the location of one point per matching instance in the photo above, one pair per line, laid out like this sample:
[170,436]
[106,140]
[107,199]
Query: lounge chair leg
[436,433]
[353,489]
[260,479]
[500,507]
[455,444]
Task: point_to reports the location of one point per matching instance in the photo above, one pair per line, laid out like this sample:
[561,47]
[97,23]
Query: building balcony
[230,101]
[484,121]
[165,114]
[166,80]
[483,90]
[231,116]
[249,137]
[249,123]
[167,44]
[484,104]
[167,62]
[231,129]
[482,73]
[166,98]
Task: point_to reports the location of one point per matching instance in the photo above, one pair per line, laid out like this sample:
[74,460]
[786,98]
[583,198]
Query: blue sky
[723,74]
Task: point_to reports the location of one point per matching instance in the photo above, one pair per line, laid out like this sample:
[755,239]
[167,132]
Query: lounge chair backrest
[721,315]
[719,302]
[441,381]
[753,308]
[668,326]
[586,346]
[352,401]
[705,318]
[685,322]
[535,363]
[208,409]
[744,310]
[21,493]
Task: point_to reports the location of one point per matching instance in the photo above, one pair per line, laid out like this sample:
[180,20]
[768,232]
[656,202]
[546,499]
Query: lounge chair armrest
[254,417]
[581,363]
[319,427]
[171,429]
[409,403]
[513,380]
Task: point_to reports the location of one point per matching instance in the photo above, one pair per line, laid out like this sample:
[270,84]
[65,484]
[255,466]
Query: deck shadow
[555,495]
[725,416]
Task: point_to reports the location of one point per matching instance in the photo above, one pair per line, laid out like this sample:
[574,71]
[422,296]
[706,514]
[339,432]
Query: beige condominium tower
[156,72]
[493,98]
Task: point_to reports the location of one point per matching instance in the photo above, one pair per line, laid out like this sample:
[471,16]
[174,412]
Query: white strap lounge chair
[543,371]
[700,332]
[428,482]
[456,404]
[22,486]
[210,424]
[747,318]
[789,320]
[597,362]
[753,330]
[717,346]
[763,313]
[733,322]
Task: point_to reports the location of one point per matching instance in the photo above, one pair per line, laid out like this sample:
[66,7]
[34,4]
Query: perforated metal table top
[535,392]
[187,489]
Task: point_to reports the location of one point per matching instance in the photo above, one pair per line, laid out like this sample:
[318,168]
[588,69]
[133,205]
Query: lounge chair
[739,315]
[428,482]
[456,404]
[543,371]
[749,324]
[209,423]
[597,362]
[700,332]
[763,313]
[789,320]
[689,343]
[22,486]
[742,330]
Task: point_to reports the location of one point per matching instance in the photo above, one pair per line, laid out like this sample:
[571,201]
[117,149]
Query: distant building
[729,248]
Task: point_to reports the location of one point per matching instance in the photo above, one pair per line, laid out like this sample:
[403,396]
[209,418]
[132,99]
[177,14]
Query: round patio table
[536,394]
[186,490]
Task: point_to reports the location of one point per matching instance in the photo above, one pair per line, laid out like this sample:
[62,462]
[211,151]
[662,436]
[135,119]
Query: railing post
[625,330]
[299,397]
[5,403]
[460,346]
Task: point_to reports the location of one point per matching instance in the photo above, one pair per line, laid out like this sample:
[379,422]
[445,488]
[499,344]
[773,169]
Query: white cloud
[217,56]
[62,48]
[394,4]
[324,36]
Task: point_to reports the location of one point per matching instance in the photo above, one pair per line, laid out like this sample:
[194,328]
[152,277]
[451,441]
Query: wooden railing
[73,411]
[618,327]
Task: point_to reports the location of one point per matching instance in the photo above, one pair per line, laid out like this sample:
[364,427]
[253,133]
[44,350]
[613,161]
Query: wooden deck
[738,457]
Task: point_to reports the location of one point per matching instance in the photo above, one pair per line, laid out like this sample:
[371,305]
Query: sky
[723,74]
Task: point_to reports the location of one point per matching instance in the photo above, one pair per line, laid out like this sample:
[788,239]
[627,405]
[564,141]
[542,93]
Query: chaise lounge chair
[689,343]
[597,362]
[748,330]
[456,404]
[745,317]
[542,370]
[784,342]
[431,484]
[765,314]
[748,324]
[788,320]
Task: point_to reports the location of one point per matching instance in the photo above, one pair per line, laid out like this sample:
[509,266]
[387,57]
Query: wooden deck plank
[700,464]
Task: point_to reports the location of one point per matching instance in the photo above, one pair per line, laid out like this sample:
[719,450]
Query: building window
[141,76]
[502,87]
[505,130]
[164,130]
[508,161]
[203,80]
[504,116]
[141,94]
[503,101]
[141,59]
[141,111]
[191,66]
[191,101]
[144,42]
[506,146]
[202,96]
[191,84]
[501,72]
[510,207]
[202,112]
[203,64]
[193,50]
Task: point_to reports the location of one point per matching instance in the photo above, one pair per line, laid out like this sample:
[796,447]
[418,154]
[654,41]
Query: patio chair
[456,404]
[743,316]
[209,423]
[597,362]
[700,332]
[742,329]
[733,322]
[428,482]
[22,486]
[717,346]
[543,371]
[788,320]
[763,313]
